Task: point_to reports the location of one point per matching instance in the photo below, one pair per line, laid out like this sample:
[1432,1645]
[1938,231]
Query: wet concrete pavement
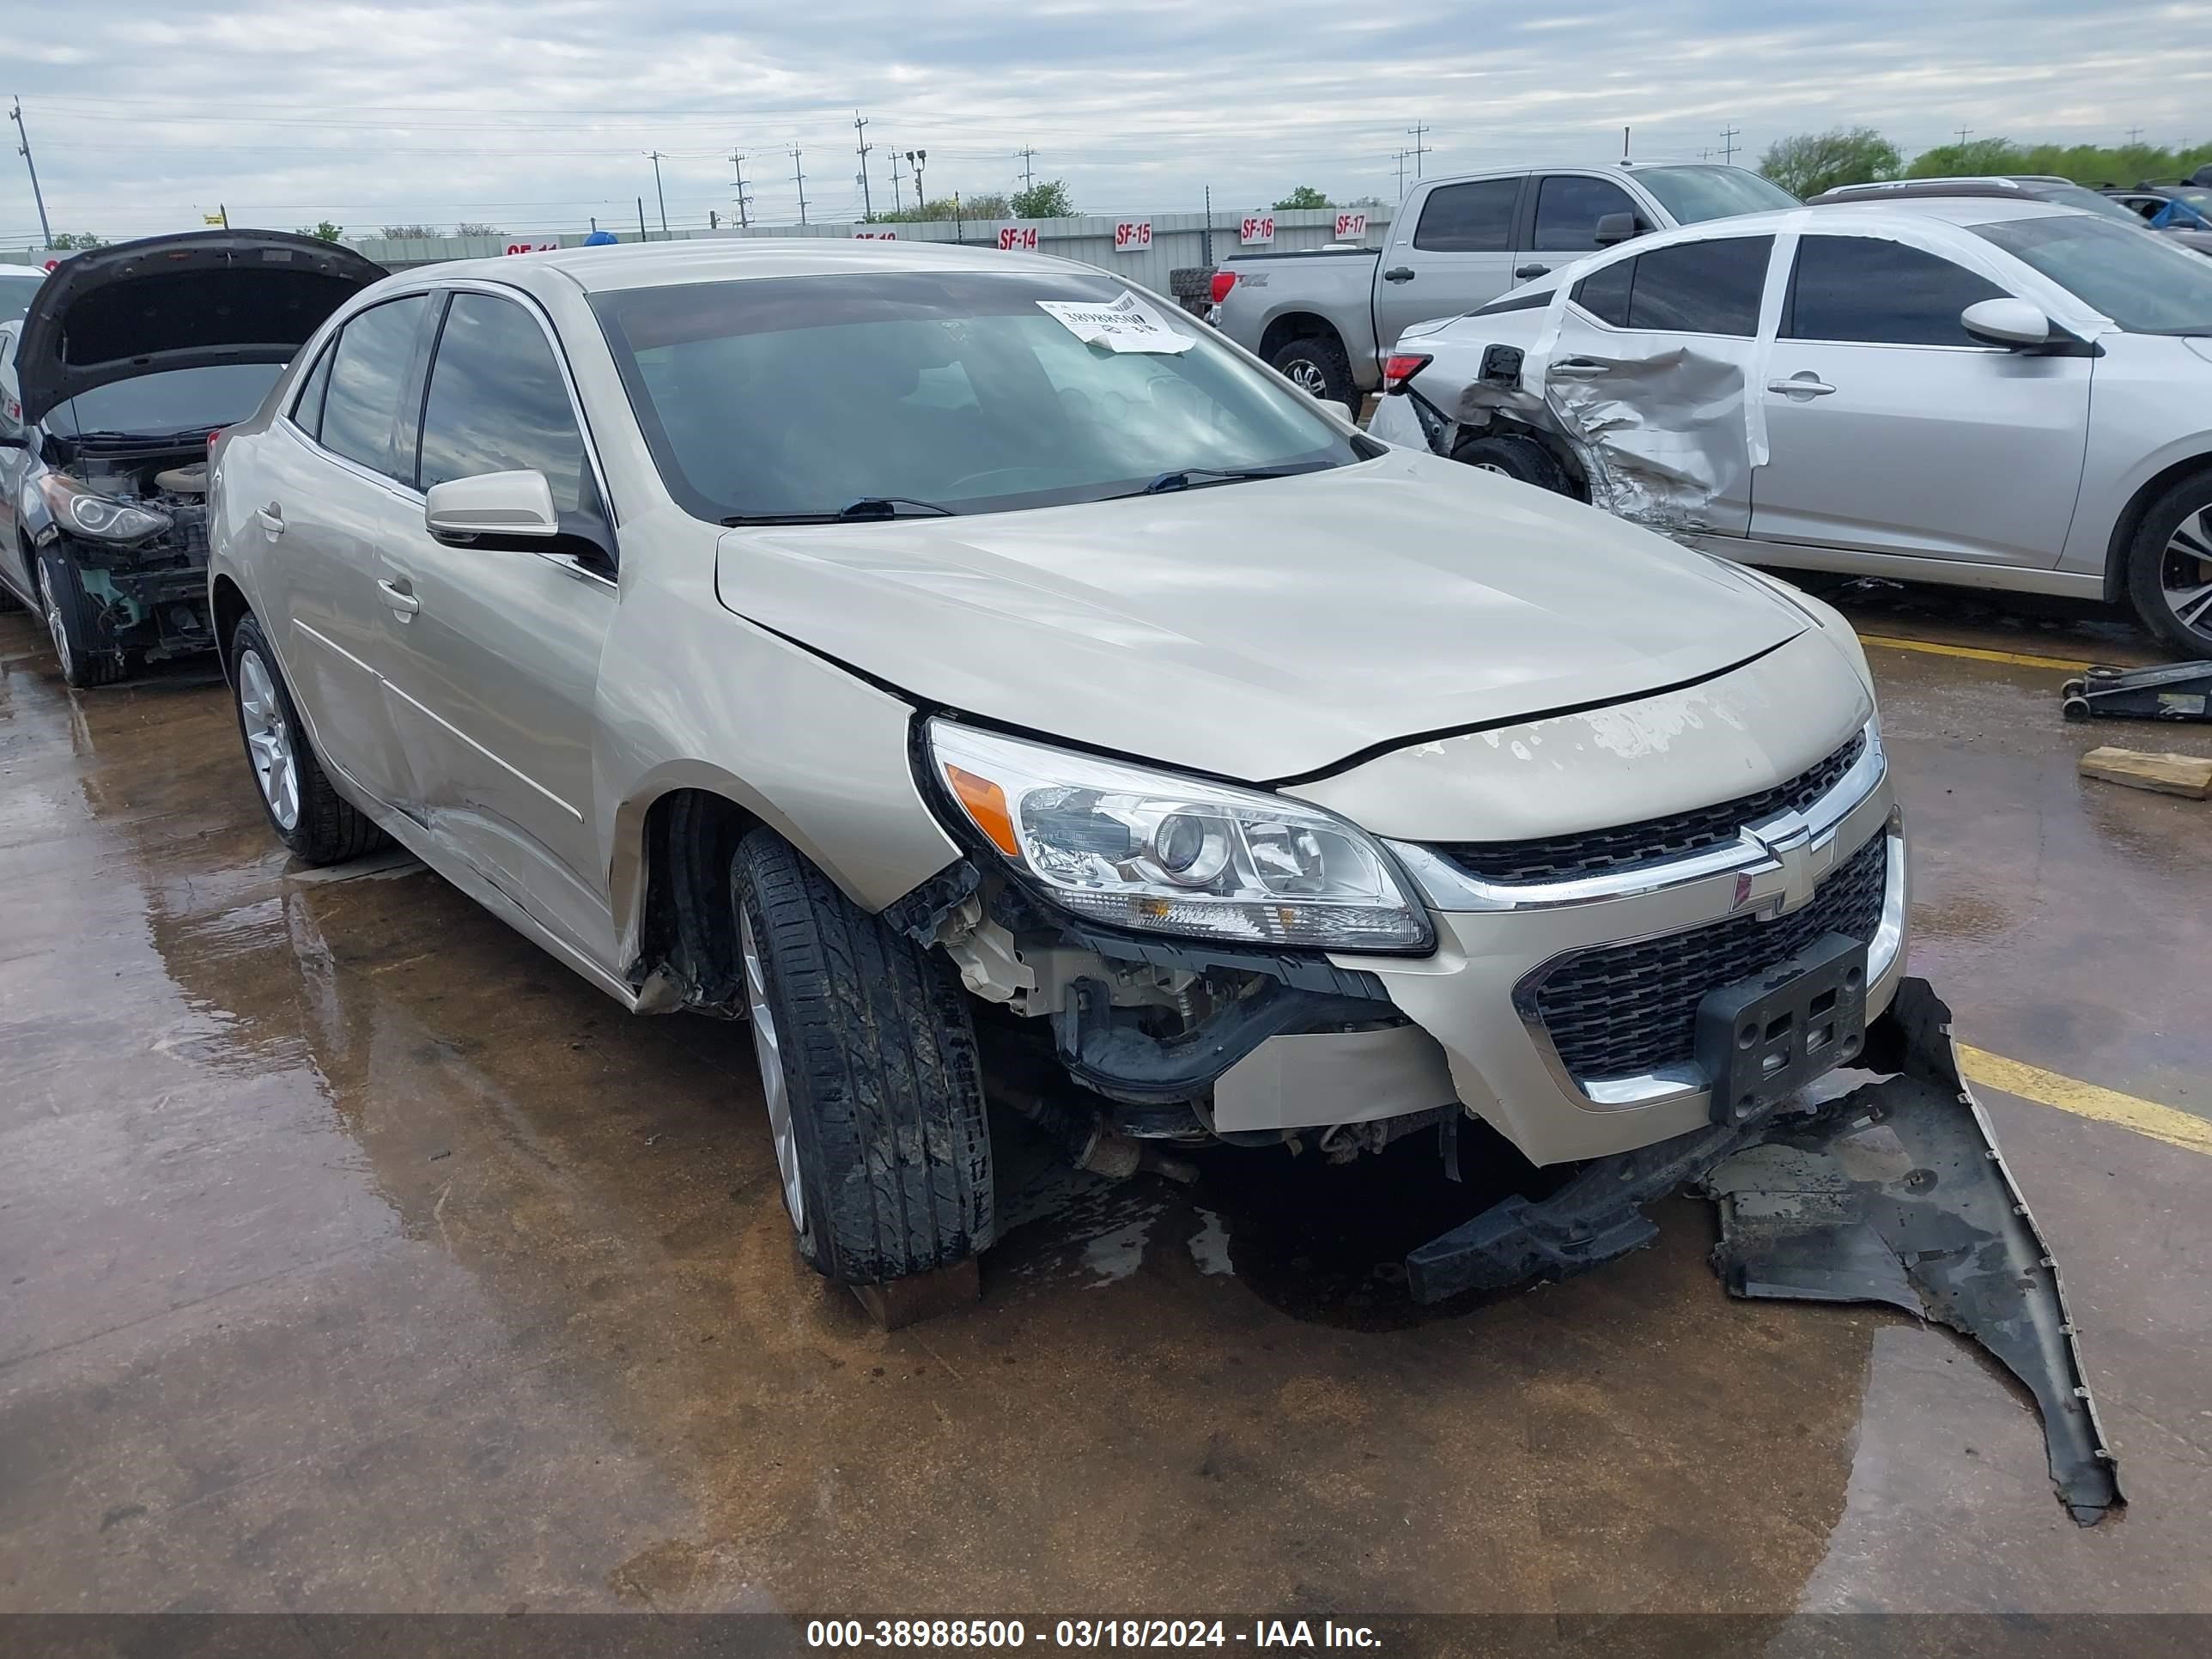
[357,1255]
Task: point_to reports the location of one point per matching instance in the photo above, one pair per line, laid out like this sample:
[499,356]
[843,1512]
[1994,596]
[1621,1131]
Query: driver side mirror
[1614,229]
[494,509]
[2016,324]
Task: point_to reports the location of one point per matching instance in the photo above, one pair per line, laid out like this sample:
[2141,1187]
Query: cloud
[540,116]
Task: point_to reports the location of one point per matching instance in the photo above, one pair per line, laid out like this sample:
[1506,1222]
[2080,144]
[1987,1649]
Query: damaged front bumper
[1894,1193]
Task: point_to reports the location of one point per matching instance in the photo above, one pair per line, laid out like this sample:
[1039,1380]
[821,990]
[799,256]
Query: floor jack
[2176,691]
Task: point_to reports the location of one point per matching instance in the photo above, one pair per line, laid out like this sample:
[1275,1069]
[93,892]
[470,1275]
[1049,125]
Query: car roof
[718,259]
[1862,216]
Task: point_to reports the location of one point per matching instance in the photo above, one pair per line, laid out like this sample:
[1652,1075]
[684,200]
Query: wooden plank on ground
[2168,774]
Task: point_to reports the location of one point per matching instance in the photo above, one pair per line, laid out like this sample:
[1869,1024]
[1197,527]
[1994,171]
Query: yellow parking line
[2145,1117]
[1976,652]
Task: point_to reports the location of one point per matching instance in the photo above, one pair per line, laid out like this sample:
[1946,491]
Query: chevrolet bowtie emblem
[1788,841]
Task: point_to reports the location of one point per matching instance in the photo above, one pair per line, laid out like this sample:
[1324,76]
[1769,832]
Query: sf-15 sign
[1133,235]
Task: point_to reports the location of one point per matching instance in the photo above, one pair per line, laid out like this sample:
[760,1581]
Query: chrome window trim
[1670,1083]
[1445,887]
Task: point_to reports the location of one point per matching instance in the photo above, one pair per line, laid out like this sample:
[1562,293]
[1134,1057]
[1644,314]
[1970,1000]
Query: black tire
[872,1036]
[326,828]
[86,651]
[1317,363]
[2177,522]
[1522,458]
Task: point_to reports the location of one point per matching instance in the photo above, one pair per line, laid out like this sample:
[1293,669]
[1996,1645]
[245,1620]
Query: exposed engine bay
[145,595]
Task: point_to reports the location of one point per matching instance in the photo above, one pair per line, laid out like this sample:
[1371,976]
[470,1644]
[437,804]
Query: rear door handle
[398,597]
[1399,274]
[1576,368]
[271,516]
[1524,272]
[1803,384]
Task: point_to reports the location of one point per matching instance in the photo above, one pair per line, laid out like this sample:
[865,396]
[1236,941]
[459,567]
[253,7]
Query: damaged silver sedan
[986,680]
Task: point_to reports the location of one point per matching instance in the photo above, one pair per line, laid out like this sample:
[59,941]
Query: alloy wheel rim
[1306,375]
[2184,575]
[268,740]
[1491,467]
[55,627]
[768,1052]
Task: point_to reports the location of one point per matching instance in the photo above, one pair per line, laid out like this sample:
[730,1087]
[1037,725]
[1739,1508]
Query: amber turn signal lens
[986,803]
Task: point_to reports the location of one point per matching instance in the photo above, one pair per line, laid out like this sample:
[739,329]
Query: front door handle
[398,596]
[1803,384]
[1524,272]
[271,516]
[1399,274]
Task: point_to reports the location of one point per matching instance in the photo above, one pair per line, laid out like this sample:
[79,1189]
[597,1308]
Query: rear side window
[1694,288]
[497,404]
[307,407]
[1473,218]
[1856,288]
[369,369]
[1568,209]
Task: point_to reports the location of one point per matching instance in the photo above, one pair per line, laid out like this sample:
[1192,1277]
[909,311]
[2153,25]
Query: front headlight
[1169,854]
[85,512]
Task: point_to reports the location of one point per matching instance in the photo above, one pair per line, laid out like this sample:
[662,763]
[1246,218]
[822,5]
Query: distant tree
[945,208]
[412,233]
[324,232]
[2085,164]
[1305,196]
[1813,161]
[1049,200]
[76,240]
[1371,203]
[1970,160]
[474,227]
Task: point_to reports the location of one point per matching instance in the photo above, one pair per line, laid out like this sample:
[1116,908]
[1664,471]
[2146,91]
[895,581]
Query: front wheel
[309,815]
[2170,568]
[1316,365]
[85,655]
[868,1068]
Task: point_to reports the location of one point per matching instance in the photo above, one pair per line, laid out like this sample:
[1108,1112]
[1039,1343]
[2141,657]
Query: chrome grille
[1628,1010]
[1592,853]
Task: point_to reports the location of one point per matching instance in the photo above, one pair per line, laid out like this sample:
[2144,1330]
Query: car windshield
[1695,194]
[2081,197]
[175,400]
[15,294]
[2146,285]
[801,397]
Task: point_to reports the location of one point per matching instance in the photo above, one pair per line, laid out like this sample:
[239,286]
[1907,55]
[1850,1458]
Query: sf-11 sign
[533,247]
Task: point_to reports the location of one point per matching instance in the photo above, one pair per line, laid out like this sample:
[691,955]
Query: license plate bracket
[1766,1037]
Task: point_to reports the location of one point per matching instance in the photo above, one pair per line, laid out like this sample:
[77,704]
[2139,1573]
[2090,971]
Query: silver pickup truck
[1456,243]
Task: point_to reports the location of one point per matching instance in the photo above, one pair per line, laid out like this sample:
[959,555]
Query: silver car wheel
[767,1052]
[1491,467]
[54,625]
[1305,374]
[2184,575]
[269,740]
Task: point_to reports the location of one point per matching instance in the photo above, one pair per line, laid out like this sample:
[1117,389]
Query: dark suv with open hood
[110,384]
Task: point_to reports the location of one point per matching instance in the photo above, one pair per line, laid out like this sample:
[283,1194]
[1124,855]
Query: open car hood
[1265,631]
[205,297]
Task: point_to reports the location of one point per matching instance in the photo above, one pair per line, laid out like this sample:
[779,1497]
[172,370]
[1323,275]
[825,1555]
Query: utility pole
[916,159]
[1028,153]
[659,194]
[738,161]
[2135,135]
[1728,135]
[1419,150]
[1964,134]
[23,149]
[801,178]
[1401,158]
[1624,147]
[898,200]
[860,128]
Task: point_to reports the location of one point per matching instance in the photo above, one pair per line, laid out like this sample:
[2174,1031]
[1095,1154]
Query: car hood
[186,301]
[1266,630]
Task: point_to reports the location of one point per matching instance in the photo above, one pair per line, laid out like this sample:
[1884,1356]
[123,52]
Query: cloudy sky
[538,114]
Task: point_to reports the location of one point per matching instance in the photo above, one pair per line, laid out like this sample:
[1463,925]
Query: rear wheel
[309,815]
[1515,457]
[2170,568]
[867,1065]
[1315,363]
[87,657]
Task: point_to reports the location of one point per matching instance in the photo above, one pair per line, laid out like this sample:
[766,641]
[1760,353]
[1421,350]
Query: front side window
[1473,218]
[369,370]
[497,404]
[2146,284]
[1856,288]
[1568,208]
[1691,287]
[799,396]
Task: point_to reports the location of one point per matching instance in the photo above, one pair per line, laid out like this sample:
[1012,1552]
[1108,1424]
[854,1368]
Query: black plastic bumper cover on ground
[1893,1192]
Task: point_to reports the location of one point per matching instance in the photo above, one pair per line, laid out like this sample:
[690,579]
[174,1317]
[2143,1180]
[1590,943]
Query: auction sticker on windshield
[1127,325]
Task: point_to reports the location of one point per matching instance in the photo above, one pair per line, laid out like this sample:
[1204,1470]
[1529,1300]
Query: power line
[24,149]
[860,128]
[1419,149]
[1964,134]
[653,155]
[800,179]
[1028,153]
[1728,135]
[898,200]
[738,161]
